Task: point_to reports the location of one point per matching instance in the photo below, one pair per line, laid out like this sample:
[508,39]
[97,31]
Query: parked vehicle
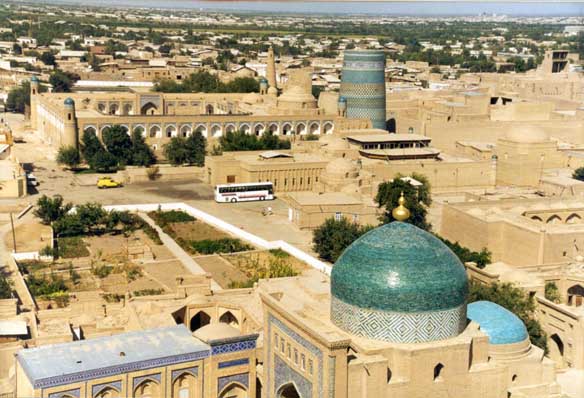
[234,193]
[108,182]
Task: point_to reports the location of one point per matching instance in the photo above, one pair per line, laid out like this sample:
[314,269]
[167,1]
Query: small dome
[216,331]
[342,99]
[34,79]
[69,101]
[410,285]
[527,134]
[500,324]
[342,167]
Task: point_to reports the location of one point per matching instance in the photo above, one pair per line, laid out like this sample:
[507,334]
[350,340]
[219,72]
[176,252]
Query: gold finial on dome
[401,213]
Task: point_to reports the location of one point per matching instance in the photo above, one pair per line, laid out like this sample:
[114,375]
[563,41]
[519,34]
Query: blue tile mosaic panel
[286,375]
[235,362]
[73,393]
[241,378]
[96,389]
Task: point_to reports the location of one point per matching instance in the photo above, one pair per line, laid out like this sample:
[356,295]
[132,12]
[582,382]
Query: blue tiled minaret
[363,85]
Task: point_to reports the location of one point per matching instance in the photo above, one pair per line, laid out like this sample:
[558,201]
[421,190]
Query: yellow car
[107,182]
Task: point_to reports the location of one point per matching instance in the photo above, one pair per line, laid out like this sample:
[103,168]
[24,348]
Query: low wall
[164,172]
[238,232]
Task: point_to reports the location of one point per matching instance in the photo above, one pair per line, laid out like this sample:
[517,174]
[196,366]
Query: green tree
[243,85]
[92,216]
[196,145]
[50,210]
[118,143]
[142,154]
[417,199]
[90,145]
[331,238]
[103,162]
[68,156]
[176,151]
[5,288]
[48,58]
[19,97]
[578,174]
[552,293]
[62,82]
[516,300]
[68,225]
[466,255]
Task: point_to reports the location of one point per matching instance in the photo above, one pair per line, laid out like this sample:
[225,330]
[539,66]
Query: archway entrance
[556,348]
[199,320]
[391,125]
[288,391]
[148,109]
[575,295]
[234,391]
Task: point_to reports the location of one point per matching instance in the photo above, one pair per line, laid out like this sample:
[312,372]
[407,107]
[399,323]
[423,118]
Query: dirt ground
[239,267]
[30,237]
[197,230]
[223,271]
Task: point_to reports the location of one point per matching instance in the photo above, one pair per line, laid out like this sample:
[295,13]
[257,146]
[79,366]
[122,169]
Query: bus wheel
[233,200]
[262,198]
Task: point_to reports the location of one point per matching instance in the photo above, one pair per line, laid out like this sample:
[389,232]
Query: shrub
[5,287]
[332,237]
[102,271]
[224,245]
[112,297]
[163,218]
[147,292]
[552,292]
[69,156]
[45,286]
[466,255]
[153,173]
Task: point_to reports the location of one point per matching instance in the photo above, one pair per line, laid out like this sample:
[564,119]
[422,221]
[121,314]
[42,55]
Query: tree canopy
[51,209]
[417,199]
[190,150]
[62,82]
[332,237]
[240,141]
[205,82]
[68,156]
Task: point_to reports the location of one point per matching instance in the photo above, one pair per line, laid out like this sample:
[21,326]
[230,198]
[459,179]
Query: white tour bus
[244,192]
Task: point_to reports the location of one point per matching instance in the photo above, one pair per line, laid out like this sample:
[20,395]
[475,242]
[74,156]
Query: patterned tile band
[286,376]
[118,369]
[233,347]
[235,362]
[397,327]
[242,379]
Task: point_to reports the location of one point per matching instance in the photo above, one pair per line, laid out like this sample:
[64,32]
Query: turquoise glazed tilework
[399,268]
[500,324]
[398,327]
[363,85]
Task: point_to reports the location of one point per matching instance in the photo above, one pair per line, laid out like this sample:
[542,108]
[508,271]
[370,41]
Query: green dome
[399,268]
[69,101]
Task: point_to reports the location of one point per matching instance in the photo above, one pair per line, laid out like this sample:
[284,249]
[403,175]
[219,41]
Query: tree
[332,237]
[417,199]
[51,209]
[5,288]
[68,225]
[90,145]
[516,300]
[19,97]
[92,216]
[552,292]
[176,151]
[62,82]
[142,154]
[48,58]
[196,145]
[578,174]
[103,162]
[118,143]
[69,156]
[466,255]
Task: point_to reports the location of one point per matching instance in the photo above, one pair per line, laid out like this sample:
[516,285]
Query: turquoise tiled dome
[399,267]
[500,324]
[69,101]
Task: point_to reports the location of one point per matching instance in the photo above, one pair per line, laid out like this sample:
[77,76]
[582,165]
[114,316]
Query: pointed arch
[148,109]
[314,128]
[147,388]
[573,219]
[536,218]
[200,319]
[229,319]
[155,131]
[184,386]
[107,392]
[300,128]
[555,219]
[438,372]
[328,128]
[216,130]
[288,391]
[233,390]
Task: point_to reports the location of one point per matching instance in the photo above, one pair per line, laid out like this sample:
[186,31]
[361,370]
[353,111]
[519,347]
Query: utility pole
[13,233]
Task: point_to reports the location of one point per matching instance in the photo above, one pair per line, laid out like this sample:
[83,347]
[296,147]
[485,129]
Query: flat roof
[65,363]
[329,198]
[13,328]
[373,138]
[401,151]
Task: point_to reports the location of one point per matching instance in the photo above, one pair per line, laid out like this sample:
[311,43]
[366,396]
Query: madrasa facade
[392,320]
